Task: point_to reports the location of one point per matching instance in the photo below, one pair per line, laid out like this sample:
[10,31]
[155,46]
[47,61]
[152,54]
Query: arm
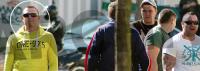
[87,54]
[9,57]
[169,55]
[169,62]
[153,52]
[52,55]
[153,43]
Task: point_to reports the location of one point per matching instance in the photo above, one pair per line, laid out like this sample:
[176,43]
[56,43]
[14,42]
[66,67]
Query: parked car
[76,41]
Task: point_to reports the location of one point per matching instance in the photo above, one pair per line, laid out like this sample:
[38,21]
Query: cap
[151,2]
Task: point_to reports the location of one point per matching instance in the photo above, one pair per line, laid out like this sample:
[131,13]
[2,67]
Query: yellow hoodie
[35,51]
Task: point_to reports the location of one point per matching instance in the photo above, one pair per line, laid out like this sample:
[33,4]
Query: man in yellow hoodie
[31,48]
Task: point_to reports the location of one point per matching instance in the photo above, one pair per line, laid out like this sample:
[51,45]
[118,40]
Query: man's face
[191,24]
[30,18]
[148,13]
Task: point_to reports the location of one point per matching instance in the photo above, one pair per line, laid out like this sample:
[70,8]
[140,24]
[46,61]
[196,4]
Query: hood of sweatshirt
[25,35]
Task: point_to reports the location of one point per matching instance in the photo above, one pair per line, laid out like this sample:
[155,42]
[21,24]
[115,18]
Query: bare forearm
[153,52]
[154,66]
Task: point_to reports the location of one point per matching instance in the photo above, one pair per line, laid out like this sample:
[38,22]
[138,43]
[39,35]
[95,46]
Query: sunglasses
[30,14]
[190,22]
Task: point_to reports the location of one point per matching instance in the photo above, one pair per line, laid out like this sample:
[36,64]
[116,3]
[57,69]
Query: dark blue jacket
[102,50]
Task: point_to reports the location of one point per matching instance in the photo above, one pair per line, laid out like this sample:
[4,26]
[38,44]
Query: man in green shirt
[157,36]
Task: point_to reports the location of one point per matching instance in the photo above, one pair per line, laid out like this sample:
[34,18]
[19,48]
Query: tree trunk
[122,43]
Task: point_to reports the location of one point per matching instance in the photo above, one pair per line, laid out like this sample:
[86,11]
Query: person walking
[31,48]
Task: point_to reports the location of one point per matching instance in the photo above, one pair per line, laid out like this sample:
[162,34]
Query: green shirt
[157,37]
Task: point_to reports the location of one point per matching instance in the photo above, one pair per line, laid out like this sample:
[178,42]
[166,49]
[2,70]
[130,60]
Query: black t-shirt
[141,27]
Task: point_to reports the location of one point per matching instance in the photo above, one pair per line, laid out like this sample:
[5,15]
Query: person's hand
[169,62]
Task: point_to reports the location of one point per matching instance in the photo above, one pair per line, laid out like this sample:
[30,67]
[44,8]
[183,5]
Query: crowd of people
[32,48]
[154,49]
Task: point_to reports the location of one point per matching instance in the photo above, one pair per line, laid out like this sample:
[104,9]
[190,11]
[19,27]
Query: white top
[187,52]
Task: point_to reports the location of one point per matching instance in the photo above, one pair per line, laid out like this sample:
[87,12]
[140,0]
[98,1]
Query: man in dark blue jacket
[101,49]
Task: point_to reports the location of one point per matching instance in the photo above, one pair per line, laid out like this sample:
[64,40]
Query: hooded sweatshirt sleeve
[52,55]
[87,54]
[9,57]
